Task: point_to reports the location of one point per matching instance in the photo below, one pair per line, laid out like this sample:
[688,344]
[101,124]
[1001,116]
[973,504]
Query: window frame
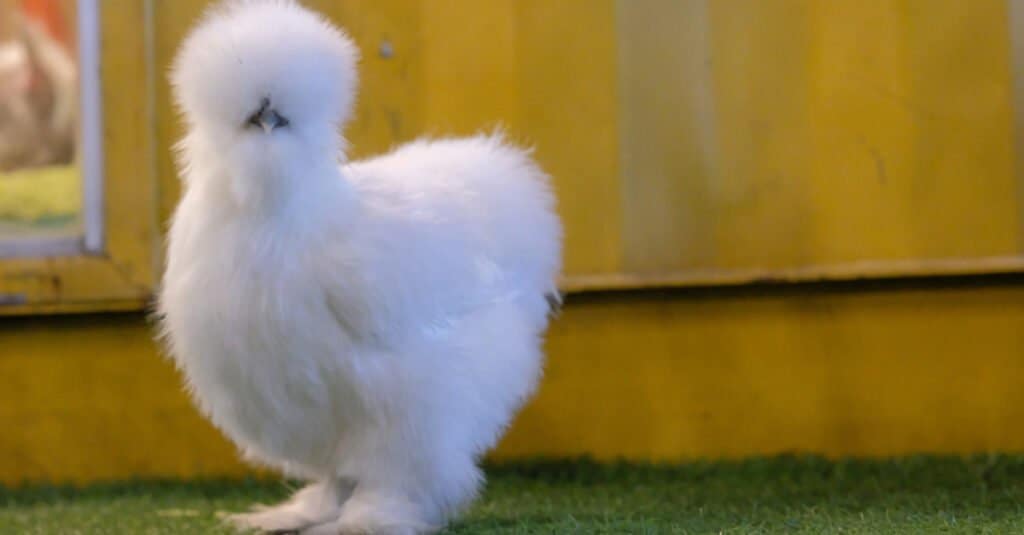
[113,265]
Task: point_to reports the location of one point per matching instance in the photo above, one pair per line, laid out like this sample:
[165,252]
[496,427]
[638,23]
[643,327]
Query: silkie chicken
[370,327]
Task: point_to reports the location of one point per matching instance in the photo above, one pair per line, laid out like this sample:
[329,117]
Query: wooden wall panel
[711,142]
[804,139]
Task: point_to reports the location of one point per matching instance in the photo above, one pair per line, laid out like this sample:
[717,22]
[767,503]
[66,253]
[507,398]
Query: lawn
[778,495]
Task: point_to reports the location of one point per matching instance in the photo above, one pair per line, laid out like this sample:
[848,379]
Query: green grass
[779,495]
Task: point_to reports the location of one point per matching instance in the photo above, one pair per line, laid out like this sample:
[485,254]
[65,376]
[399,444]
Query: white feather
[370,326]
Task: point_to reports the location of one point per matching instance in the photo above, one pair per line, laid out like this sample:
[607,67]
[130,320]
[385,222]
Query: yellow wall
[868,371]
[691,143]
[778,135]
[702,141]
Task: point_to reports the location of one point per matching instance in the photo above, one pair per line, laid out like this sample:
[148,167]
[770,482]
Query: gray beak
[267,118]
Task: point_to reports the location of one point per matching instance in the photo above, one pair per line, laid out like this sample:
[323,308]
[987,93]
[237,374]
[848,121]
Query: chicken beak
[269,120]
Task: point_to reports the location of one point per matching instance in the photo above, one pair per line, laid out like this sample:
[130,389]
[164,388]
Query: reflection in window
[40,182]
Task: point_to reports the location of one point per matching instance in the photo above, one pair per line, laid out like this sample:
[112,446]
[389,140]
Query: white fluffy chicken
[368,326]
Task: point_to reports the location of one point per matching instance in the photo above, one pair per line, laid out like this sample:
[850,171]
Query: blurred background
[791,225]
[40,189]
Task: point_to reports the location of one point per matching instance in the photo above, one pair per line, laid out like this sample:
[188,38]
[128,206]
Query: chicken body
[371,326]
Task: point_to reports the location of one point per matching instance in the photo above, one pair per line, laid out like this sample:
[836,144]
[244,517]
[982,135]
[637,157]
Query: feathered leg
[316,503]
[415,501]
